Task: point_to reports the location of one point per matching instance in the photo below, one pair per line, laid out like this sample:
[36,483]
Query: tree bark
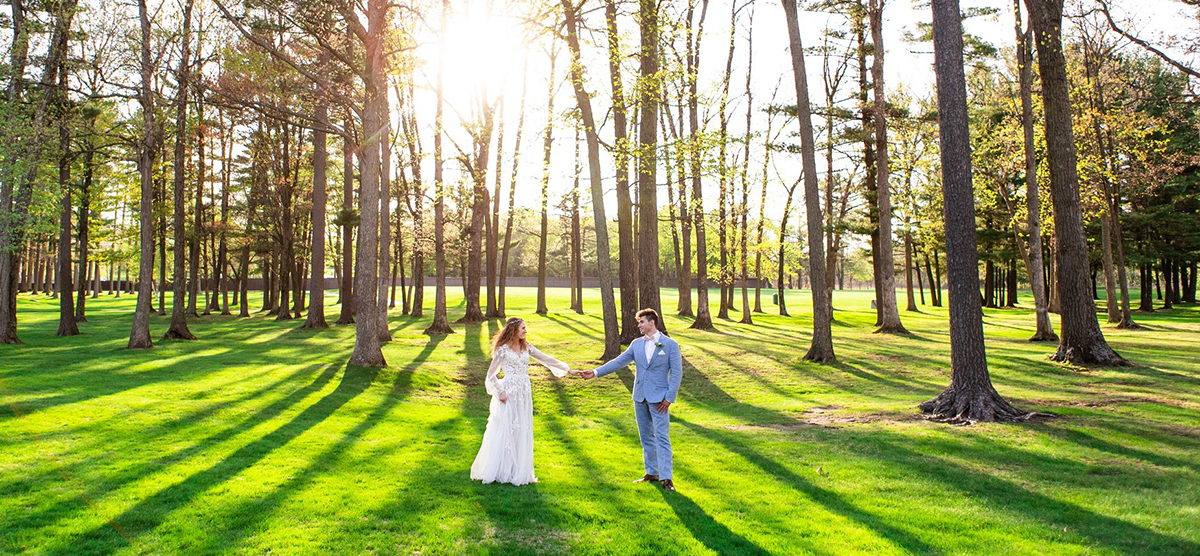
[493,229]
[416,192]
[970,396]
[179,327]
[13,229]
[890,322]
[648,270]
[512,194]
[627,262]
[384,253]
[346,316]
[316,285]
[703,315]
[821,348]
[139,334]
[367,349]
[612,339]
[440,325]
[66,306]
[548,141]
[1081,340]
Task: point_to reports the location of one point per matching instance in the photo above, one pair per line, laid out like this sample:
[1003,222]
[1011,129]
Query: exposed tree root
[1097,353]
[967,406]
[315,323]
[370,360]
[179,334]
[702,324]
[438,329]
[896,328]
[1129,325]
[822,354]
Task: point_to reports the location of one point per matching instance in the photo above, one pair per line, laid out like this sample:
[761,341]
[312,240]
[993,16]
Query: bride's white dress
[506,455]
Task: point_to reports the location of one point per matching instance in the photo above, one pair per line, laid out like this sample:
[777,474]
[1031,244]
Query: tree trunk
[871,185]
[346,316]
[1165,295]
[626,259]
[286,254]
[417,193]
[746,317]
[139,334]
[547,142]
[84,231]
[970,396]
[14,235]
[612,344]
[512,194]
[316,285]
[226,182]
[726,275]
[367,350]
[908,269]
[384,254]
[762,220]
[194,242]
[66,306]
[890,316]
[648,271]
[179,327]
[916,268]
[440,325]
[703,315]
[1033,257]
[1081,340]
[821,348]
[244,283]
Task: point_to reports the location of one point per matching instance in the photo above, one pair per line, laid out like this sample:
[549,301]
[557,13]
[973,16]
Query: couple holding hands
[506,454]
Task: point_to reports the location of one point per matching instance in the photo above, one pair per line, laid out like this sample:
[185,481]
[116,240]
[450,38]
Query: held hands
[585,374]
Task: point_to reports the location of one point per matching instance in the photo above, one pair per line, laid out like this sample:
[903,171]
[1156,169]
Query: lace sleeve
[493,383]
[557,367]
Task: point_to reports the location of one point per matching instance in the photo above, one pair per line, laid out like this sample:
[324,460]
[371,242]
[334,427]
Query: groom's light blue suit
[656,379]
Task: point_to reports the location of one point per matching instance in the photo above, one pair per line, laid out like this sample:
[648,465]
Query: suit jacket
[655,380]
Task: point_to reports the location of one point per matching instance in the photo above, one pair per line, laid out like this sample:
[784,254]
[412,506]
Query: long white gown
[506,455]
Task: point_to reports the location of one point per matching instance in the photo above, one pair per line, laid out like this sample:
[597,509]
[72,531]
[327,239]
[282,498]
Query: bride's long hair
[506,337]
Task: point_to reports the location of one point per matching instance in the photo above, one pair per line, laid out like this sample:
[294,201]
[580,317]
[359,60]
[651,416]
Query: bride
[506,455]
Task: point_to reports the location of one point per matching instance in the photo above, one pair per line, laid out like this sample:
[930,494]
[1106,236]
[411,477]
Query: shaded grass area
[257,438]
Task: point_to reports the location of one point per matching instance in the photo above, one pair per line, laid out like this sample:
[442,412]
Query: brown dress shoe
[647,478]
[668,485]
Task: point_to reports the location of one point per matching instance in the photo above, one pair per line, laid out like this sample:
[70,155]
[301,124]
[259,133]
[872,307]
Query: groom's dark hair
[648,313]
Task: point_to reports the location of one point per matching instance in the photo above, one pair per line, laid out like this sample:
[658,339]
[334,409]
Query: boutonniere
[657,344]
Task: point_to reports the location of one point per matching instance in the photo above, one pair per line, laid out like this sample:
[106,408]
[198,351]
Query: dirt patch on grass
[830,417]
[1103,400]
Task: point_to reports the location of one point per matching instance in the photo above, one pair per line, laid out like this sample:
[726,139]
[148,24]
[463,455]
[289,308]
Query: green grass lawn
[257,438]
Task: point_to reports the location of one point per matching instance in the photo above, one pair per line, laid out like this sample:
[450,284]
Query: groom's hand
[663,405]
[587,374]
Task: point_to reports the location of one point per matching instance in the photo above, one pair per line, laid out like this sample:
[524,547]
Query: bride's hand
[503,397]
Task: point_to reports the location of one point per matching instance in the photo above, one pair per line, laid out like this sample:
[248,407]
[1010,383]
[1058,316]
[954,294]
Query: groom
[659,367]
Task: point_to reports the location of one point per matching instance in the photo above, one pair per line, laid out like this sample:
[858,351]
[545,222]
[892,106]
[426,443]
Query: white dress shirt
[650,347]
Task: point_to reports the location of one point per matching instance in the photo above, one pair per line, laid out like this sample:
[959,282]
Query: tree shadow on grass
[1078,437]
[150,512]
[707,530]
[247,515]
[566,323]
[712,534]
[144,437]
[1101,530]
[827,498]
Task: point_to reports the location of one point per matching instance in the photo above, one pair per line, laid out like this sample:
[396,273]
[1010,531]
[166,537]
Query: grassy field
[257,438]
